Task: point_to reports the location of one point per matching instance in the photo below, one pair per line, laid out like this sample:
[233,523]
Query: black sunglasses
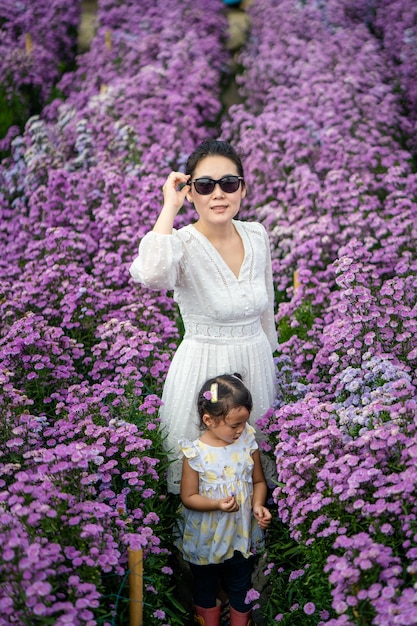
[228,184]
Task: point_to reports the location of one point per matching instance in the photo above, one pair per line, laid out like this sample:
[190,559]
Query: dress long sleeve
[158,260]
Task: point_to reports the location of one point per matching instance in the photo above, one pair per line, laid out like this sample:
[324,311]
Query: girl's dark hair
[211,147]
[229,394]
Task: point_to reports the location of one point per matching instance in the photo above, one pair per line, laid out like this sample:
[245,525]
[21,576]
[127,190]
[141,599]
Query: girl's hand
[228,505]
[262,516]
[173,195]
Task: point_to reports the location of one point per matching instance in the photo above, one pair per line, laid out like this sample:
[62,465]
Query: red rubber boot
[207,617]
[240,619]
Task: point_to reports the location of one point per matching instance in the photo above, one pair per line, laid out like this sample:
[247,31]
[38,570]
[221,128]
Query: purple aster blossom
[151,518]
[296,574]
[309,608]
[148,493]
[159,614]
[251,596]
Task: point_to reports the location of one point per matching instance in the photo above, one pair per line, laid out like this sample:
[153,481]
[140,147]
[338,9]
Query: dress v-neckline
[208,243]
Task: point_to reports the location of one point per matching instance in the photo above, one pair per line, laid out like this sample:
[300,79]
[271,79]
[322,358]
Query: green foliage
[304,316]
[287,594]
[17,108]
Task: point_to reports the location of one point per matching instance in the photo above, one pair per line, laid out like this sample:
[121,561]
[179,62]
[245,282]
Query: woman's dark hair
[212,147]
[222,393]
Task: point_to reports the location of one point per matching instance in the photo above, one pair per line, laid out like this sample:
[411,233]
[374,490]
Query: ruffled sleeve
[192,452]
[158,261]
[268,316]
[248,439]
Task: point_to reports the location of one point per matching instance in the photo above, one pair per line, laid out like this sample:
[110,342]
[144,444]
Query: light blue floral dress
[209,537]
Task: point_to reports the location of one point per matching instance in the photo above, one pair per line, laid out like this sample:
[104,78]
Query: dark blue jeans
[235,576]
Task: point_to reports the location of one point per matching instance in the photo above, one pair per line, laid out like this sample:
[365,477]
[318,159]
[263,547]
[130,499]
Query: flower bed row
[83,353]
[331,178]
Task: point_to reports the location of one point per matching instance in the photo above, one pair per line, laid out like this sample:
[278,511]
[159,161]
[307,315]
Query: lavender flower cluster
[37,39]
[395,23]
[332,175]
[83,351]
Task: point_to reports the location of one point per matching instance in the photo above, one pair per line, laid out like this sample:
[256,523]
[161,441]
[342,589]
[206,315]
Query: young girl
[223,491]
[219,269]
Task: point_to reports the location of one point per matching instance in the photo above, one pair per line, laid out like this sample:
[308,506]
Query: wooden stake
[297,283]
[135,562]
[28,43]
[108,40]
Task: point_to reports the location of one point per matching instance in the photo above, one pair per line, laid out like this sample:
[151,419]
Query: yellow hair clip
[214,392]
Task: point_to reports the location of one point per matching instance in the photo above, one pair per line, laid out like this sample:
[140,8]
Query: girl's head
[221,396]
[213,147]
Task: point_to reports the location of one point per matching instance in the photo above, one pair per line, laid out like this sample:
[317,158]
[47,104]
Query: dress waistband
[221,331]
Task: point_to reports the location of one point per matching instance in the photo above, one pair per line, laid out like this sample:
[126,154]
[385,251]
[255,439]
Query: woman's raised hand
[175,189]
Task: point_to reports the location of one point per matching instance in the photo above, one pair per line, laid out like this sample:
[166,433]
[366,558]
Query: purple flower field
[327,129]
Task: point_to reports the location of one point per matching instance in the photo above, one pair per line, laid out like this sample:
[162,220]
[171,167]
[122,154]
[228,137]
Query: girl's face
[217,207]
[231,427]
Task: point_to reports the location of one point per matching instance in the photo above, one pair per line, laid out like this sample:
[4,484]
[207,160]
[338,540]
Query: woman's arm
[191,498]
[156,265]
[261,513]
[268,317]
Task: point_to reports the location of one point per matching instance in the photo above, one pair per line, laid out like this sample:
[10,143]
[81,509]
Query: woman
[220,271]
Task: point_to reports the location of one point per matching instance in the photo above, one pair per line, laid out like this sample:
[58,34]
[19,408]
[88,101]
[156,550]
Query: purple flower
[309,608]
[251,596]
[159,614]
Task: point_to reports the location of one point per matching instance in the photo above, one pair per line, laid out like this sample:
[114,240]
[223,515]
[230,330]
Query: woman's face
[217,207]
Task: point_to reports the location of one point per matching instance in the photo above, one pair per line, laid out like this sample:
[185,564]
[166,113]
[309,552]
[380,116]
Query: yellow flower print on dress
[229,472]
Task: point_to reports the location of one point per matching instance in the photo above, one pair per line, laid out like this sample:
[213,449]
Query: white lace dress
[228,320]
